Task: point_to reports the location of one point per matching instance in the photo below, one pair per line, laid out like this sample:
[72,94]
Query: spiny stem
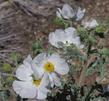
[82,75]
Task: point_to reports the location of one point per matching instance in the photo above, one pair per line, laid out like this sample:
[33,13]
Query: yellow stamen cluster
[37,82]
[48,67]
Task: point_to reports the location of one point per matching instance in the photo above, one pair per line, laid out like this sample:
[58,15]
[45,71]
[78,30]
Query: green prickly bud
[36,45]
[100,29]
[6,67]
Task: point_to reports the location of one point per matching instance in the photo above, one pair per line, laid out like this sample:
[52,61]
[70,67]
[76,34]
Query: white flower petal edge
[56,80]
[37,64]
[67,12]
[72,37]
[44,82]
[90,24]
[42,93]
[29,90]
[93,23]
[60,66]
[24,89]
[28,59]
[67,37]
[57,37]
[53,40]
[80,14]
[24,72]
[58,13]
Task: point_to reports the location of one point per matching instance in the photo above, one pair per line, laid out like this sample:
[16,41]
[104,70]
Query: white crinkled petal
[25,89]
[56,79]
[56,37]
[42,93]
[53,40]
[72,37]
[37,64]
[45,80]
[93,23]
[76,41]
[60,35]
[67,11]
[60,66]
[80,14]
[51,80]
[38,71]
[58,13]
[40,58]
[24,72]
[28,59]
[90,24]
[70,32]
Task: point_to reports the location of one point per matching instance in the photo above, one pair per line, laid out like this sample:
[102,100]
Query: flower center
[37,82]
[48,67]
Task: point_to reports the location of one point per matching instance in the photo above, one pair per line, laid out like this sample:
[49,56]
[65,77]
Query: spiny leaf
[104,51]
[36,47]
[60,22]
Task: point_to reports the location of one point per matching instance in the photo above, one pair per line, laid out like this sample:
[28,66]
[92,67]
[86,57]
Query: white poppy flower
[90,24]
[27,86]
[80,14]
[67,12]
[67,37]
[52,65]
